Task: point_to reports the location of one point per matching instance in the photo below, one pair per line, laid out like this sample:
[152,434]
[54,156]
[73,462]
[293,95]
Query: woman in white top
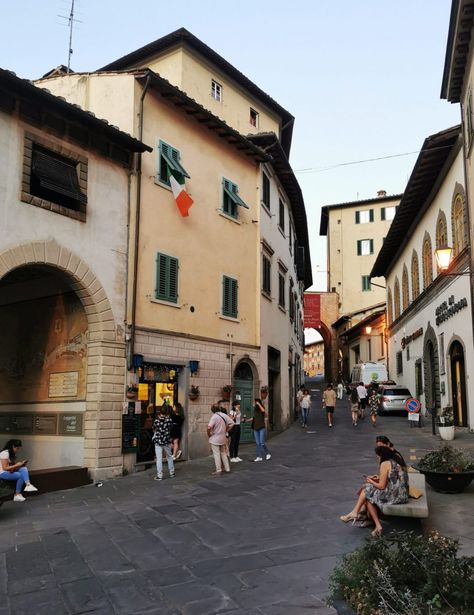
[305,405]
[236,416]
[16,471]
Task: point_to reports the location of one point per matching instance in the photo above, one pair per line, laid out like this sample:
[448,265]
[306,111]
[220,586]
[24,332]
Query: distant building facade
[314,359]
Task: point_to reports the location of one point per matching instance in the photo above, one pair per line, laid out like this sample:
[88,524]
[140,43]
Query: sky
[362,79]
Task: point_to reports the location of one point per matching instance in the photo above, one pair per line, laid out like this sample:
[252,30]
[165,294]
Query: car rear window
[404,392]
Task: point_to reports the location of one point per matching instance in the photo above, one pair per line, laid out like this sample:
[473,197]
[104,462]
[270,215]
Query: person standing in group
[259,431]
[217,428]
[362,393]
[329,402]
[234,434]
[354,399]
[305,405]
[162,440]
[15,470]
[373,403]
[177,418]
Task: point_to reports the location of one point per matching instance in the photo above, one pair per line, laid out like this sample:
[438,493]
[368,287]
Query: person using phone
[15,470]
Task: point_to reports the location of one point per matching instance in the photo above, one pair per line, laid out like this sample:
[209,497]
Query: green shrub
[446,459]
[406,574]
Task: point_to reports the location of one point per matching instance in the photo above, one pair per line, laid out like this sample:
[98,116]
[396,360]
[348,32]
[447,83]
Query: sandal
[348,517]
[377,532]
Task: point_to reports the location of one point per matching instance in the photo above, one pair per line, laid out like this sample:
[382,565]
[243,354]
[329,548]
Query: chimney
[381,193]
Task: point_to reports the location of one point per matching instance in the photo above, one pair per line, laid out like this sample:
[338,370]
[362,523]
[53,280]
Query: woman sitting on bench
[15,471]
[389,487]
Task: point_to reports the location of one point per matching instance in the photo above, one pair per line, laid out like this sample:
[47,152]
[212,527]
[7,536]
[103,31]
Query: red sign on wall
[312,311]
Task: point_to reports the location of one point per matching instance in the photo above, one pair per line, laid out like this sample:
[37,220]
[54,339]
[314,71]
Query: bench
[49,479]
[414,507]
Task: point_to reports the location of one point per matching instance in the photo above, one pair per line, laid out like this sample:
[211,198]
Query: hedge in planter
[406,573]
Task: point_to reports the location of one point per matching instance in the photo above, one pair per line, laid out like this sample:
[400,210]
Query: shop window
[399,361]
[266,275]
[405,289]
[167,268]
[415,276]
[231,200]
[427,261]
[169,163]
[365,247]
[229,297]
[366,285]
[265,190]
[364,216]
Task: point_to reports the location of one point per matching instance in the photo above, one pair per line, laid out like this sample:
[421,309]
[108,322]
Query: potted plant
[264,392]
[226,391]
[446,424]
[447,470]
[193,392]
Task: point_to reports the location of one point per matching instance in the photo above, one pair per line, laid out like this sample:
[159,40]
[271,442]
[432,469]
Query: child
[329,402]
[162,441]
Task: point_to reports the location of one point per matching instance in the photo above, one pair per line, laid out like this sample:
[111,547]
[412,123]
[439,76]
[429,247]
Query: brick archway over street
[328,313]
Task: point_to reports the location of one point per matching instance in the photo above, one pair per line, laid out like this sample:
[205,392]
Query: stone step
[50,479]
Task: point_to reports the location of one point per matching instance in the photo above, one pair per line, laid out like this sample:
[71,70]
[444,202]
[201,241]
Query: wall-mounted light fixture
[193,367]
[137,360]
[443,257]
[368,330]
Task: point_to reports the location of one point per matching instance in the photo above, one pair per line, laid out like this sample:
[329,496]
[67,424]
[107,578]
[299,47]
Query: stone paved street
[260,541]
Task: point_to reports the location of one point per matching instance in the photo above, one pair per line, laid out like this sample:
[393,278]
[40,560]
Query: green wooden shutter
[359,247]
[229,297]
[167,268]
[371,215]
[357,217]
[382,213]
[371,246]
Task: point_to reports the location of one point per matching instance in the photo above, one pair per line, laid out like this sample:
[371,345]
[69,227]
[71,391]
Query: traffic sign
[412,405]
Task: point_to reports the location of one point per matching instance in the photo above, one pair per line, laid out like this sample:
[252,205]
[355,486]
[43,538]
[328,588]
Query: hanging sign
[142,392]
[312,310]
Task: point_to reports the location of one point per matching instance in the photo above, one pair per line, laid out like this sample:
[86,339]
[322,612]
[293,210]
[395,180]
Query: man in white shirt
[362,393]
[217,429]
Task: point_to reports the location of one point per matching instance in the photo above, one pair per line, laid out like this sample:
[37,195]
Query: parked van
[367,372]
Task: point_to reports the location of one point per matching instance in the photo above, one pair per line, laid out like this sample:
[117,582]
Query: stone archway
[106,370]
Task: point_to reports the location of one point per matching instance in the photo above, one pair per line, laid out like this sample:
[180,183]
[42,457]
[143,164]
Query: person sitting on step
[15,470]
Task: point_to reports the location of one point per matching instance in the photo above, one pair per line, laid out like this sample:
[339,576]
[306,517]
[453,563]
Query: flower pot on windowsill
[193,393]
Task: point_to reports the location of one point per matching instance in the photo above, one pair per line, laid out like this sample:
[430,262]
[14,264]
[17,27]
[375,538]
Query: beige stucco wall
[346,268]
[193,74]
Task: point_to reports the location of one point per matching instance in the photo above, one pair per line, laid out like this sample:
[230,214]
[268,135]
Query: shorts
[363,403]
[330,409]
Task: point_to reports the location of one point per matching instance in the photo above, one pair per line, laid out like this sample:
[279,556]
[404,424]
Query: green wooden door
[243,386]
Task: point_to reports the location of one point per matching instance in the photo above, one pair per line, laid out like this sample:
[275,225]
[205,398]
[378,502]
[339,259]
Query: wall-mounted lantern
[193,367]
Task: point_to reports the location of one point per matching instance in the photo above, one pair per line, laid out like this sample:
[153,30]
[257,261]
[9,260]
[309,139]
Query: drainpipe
[137,226]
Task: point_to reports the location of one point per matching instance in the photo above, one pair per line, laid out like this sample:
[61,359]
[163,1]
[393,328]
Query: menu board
[130,425]
[70,424]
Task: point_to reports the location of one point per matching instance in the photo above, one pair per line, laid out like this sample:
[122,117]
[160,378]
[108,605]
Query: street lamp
[443,257]
[368,330]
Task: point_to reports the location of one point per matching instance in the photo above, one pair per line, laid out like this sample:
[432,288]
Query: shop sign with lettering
[449,308]
[409,338]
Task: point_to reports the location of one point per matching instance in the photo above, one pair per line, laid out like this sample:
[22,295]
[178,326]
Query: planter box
[445,482]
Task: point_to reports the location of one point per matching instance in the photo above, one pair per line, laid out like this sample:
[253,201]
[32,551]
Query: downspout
[137,225]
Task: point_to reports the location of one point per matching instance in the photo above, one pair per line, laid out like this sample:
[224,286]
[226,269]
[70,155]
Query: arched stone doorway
[431,370]
[458,383]
[77,359]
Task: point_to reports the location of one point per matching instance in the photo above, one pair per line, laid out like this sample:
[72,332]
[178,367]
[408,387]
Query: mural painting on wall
[44,350]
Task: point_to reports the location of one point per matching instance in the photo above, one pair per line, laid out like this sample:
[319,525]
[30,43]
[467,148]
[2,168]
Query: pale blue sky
[361,77]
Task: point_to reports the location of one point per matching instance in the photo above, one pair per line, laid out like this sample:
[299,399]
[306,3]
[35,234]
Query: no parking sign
[413,406]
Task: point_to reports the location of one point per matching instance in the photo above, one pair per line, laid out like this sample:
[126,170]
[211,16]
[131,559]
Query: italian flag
[182,198]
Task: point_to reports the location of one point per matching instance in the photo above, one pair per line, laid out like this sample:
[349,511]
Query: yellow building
[194,315]
[314,359]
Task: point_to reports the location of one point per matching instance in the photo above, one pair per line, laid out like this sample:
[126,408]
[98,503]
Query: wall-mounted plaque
[63,384]
[16,423]
[45,423]
[70,424]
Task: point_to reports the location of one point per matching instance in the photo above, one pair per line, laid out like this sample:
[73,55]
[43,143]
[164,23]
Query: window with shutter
[265,190]
[169,163]
[366,283]
[229,297]
[281,290]
[281,220]
[382,213]
[167,268]
[266,275]
[231,199]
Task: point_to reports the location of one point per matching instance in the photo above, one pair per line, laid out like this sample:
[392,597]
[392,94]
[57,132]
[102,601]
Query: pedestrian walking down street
[329,402]
[354,399]
[162,440]
[340,389]
[234,433]
[362,393]
[217,428]
[177,418]
[299,397]
[305,406]
[259,431]
[373,403]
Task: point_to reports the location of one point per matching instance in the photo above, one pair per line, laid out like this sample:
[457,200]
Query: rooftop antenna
[71,22]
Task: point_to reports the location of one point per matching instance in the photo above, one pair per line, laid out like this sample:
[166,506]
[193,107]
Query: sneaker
[18,498]
[172,475]
[258,459]
[233,460]
[158,478]
[30,488]
[238,459]
[330,425]
[268,456]
[178,454]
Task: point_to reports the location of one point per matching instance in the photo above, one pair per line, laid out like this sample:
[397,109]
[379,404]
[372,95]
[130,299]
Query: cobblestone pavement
[260,541]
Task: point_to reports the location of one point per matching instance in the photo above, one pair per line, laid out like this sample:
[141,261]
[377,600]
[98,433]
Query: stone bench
[49,479]
[414,507]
